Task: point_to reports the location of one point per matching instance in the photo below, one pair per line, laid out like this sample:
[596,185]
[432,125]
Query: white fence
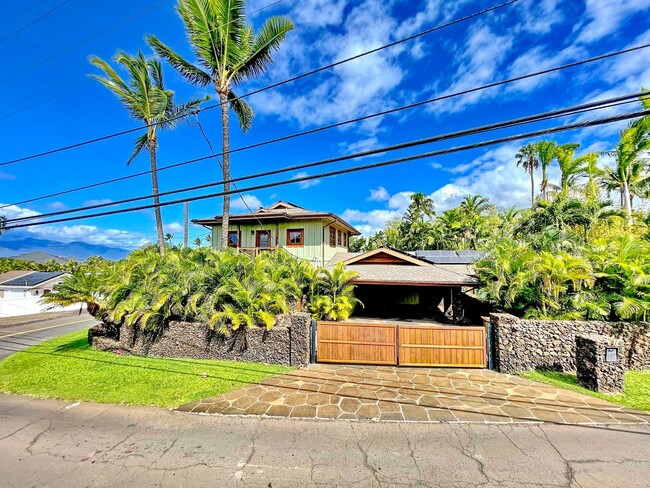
[11,307]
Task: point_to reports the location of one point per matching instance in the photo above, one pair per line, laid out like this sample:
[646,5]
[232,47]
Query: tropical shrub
[226,289]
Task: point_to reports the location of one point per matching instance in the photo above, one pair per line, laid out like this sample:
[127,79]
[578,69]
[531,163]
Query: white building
[21,291]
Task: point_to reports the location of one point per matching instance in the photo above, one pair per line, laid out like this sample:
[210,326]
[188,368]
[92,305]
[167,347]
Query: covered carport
[397,286]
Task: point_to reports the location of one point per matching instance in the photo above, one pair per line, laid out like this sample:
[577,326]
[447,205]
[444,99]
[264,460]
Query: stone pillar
[599,362]
[300,339]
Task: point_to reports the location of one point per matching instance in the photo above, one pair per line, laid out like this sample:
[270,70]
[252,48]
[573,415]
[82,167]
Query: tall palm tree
[228,53]
[545,156]
[527,159]
[566,161]
[144,96]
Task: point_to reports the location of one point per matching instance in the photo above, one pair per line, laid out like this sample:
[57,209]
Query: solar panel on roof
[32,279]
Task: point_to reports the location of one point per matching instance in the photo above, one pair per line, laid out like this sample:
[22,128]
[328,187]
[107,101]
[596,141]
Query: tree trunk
[532,188]
[226,168]
[156,199]
[628,201]
[544,182]
[186,225]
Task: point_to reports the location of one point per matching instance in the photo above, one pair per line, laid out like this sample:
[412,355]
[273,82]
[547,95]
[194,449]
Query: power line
[598,105]
[260,90]
[339,124]
[502,140]
[31,23]
[81,43]
[65,92]
[575,110]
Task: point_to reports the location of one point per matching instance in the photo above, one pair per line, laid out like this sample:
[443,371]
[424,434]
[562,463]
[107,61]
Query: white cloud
[482,56]
[67,233]
[605,17]
[252,201]
[99,201]
[56,206]
[371,221]
[173,227]
[303,185]
[351,89]
[6,176]
[378,195]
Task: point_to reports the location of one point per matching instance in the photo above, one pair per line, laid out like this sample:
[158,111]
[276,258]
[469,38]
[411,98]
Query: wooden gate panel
[357,343]
[421,345]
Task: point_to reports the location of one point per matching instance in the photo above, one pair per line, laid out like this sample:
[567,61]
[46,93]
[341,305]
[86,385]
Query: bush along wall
[287,343]
[522,345]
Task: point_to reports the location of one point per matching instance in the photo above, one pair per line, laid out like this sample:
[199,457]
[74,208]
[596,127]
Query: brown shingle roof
[279,211]
[410,275]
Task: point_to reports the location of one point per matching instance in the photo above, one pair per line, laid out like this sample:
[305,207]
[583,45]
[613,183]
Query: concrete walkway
[414,394]
[63,445]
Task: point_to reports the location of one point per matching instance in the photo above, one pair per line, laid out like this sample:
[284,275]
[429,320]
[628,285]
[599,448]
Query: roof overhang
[277,216]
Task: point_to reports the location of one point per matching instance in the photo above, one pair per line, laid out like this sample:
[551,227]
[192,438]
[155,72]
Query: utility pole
[186,224]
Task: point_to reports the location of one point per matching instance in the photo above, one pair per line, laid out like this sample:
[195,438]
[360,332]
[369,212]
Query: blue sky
[525,37]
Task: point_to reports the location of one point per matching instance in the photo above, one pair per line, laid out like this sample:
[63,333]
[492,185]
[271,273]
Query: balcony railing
[255,251]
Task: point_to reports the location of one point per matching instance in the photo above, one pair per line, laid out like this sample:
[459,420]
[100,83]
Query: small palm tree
[228,53]
[84,286]
[545,155]
[146,99]
[527,159]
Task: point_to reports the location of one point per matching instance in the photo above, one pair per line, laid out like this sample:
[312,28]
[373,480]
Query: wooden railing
[255,251]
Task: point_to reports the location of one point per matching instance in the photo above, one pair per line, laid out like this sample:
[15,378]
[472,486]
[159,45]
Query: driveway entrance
[414,394]
[401,344]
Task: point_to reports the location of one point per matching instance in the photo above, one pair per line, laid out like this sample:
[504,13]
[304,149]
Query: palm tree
[527,159]
[84,286]
[145,97]
[545,156]
[630,175]
[568,166]
[228,53]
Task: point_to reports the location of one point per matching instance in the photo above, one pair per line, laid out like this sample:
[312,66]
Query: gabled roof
[390,267]
[279,211]
[384,255]
[32,279]
[387,274]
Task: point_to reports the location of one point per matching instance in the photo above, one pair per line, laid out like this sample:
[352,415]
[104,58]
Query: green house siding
[316,247]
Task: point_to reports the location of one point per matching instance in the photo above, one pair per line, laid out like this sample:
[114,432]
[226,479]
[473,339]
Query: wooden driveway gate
[404,345]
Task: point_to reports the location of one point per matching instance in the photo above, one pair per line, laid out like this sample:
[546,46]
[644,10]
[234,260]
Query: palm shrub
[86,285]
[333,294]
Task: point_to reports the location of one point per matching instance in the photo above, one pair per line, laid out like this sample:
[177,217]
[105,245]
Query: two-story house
[310,235]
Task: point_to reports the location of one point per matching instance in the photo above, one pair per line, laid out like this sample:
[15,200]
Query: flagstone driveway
[413,394]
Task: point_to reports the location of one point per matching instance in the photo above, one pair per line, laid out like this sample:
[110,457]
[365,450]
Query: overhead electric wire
[569,111]
[477,145]
[338,124]
[65,92]
[260,90]
[16,74]
[31,23]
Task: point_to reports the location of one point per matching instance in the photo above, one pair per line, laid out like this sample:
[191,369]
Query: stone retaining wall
[522,345]
[287,343]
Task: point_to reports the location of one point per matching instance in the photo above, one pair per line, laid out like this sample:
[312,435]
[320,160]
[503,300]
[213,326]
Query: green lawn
[636,395]
[69,369]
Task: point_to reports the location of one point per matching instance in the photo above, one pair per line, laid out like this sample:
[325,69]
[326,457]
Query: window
[263,238]
[295,237]
[340,238]
[345,239]
[233,238]
[332,237]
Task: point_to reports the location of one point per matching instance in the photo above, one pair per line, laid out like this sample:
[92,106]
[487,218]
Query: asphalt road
[59,444]
[14,338]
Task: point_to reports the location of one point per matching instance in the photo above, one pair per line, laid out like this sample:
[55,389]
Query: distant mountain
[41,257]
[77,250]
